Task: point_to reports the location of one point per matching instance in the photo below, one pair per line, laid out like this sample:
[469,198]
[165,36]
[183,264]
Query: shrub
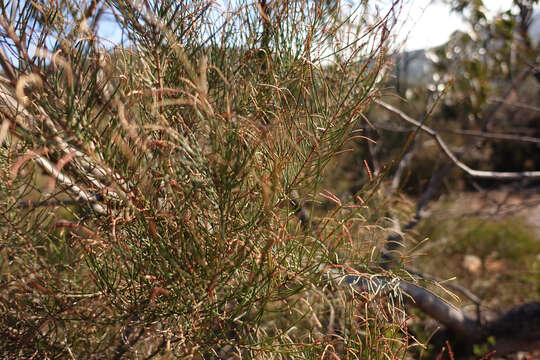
[147,187]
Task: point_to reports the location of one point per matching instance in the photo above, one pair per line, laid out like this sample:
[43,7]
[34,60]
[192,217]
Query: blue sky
[423,23]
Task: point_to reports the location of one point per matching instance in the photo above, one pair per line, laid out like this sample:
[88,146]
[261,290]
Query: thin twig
[516,104]
[494,136]
[482,134]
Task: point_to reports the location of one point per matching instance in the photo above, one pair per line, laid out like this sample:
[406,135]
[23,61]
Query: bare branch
[474,173]
[482,134]
[77,191]
[493,136]
[88,168]
[517,104]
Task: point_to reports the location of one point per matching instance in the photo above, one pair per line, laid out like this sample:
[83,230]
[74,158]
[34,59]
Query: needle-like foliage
[150,189]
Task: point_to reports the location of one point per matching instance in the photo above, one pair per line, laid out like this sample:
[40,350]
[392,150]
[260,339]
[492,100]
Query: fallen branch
[518,329]
[429,303]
